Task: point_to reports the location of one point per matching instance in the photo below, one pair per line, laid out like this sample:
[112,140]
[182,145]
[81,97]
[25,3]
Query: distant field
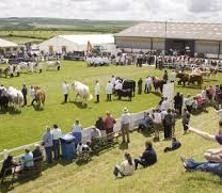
[21,37]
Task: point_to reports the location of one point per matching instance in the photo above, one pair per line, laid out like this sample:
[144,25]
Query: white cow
[53,65]
[82,91]
[28,66]
[15,97]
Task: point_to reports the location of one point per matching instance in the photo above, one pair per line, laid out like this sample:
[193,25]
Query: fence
[86,135]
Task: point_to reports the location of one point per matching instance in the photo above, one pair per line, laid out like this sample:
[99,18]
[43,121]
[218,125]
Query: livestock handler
[97,91]
[109,90]
[65,89]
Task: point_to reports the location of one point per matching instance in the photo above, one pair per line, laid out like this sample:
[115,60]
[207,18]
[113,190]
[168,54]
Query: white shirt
[157,117]
[32,93]
[172,76]
[149,81]
[125,118]
[56,133]
[126,168]
[97,89]
[109,88]
[164,106]
[65,88]
[118,86]
[76,128]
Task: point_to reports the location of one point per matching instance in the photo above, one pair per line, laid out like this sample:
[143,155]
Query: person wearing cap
[24,93]
[56,135]
[125,122]
[97,91]
[48,144]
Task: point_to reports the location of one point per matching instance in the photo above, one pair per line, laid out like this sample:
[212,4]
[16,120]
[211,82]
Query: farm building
[7,47]
[69,43]
[198,38]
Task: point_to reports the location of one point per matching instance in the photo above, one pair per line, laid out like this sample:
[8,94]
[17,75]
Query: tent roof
[7,44]
[92,38]
[175,30]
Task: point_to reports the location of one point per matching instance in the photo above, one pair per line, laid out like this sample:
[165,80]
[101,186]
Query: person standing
[178,103]
[185,120]
[32,94]
[165,76]
[48,144]
[109,90]
[24,93]
[109,122]
[167,125]
[140,86]
[56,135]
[157,123]
[125,123]
[97,91]
[65,89]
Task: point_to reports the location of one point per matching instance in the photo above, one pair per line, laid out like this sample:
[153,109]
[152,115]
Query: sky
[186,10]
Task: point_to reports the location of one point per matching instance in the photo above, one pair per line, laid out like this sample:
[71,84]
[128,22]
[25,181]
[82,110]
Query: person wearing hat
[125,122]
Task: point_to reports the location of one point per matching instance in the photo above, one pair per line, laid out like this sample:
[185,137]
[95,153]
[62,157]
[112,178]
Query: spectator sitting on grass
[126,168]
[7,166]
[27,160]
[149,156]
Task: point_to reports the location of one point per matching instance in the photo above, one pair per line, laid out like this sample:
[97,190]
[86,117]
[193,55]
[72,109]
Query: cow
[82,91]
[53,65]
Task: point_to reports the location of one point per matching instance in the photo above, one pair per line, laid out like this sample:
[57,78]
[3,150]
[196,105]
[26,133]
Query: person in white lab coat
[109,90]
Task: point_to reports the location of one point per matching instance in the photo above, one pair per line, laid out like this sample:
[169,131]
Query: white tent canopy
[75,42]
[7,44]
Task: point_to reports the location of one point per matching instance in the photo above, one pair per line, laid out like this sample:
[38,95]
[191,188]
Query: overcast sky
[210,10]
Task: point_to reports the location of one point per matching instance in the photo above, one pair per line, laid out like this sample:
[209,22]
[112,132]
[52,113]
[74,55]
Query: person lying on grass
[126,168]
[213,163]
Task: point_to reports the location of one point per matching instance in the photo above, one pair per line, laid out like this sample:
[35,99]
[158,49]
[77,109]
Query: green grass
[28,126]
[167,176]
[96,177]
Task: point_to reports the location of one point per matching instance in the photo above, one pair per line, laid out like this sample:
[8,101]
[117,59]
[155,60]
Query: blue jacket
[149,157]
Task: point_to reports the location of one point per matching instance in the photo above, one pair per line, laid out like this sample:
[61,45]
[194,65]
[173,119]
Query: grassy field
[96,177]
[167,176]
[28,126]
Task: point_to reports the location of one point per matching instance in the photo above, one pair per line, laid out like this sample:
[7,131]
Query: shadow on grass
[79,104]
[123,146]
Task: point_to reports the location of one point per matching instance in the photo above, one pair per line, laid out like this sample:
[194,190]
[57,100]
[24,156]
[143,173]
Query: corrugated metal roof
[6,44]
[176,30]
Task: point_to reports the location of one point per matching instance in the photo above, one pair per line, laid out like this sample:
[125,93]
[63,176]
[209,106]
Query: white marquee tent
[68,43]
[7,44]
